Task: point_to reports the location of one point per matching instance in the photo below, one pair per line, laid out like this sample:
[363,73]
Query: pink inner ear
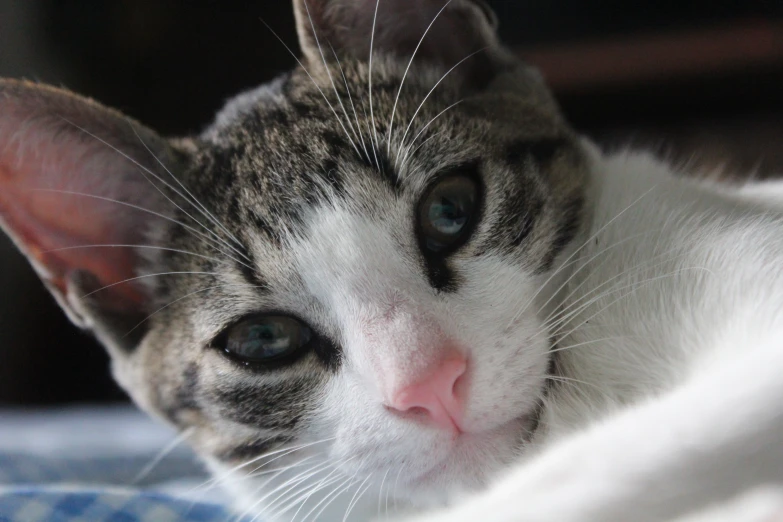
[43,222]
[43,156]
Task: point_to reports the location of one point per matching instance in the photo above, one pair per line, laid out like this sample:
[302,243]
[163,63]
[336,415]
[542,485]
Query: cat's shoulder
[633,172]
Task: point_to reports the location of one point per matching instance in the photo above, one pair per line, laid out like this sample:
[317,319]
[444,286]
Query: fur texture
[621,323]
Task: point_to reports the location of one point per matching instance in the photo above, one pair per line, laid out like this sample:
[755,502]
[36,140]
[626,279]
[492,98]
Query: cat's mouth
[475,457]
[466,464]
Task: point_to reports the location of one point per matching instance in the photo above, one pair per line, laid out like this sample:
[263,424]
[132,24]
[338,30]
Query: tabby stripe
[279,406]
[252,449]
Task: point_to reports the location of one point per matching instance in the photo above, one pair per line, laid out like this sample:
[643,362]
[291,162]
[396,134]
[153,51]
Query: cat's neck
[635,301]
[602,281]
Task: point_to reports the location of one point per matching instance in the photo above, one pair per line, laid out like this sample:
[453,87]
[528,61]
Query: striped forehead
[274,175]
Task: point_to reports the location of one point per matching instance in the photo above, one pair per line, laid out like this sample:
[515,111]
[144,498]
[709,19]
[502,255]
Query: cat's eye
[264,339]
[447,213]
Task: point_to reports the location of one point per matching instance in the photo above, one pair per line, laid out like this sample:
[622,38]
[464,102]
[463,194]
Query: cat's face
[364,287]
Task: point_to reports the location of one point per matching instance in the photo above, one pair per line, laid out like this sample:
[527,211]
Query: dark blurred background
[698,80]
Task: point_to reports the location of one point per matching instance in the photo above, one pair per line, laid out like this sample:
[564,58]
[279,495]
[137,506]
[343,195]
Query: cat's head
[346,263]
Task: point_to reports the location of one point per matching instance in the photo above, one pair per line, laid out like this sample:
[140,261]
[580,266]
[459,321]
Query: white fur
[681,401]
[670,341]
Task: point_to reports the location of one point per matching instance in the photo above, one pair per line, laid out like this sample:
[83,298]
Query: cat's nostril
[417,410]
[437,398]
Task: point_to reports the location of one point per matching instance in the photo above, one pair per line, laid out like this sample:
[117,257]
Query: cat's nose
[437,397]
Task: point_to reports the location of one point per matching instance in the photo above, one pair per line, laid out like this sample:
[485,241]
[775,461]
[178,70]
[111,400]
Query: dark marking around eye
[542,150]
[328,352]
[456,199]
[441,276]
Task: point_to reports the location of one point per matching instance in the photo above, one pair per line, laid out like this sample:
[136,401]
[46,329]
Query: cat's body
[374,279]
[673,351]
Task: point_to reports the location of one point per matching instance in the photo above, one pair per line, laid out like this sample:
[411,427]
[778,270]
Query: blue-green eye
[267,338]
[446,213]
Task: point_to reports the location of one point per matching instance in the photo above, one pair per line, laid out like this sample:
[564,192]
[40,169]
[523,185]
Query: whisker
[575,386]
[281,452]
[152,247]
[302,493]
[151,173]
[572,380]
[209,484]
[574,253]
[252,507]
[145,276]
[369,134]
[410,155]
[575,307]
[162,454]
[329,73]
[380,491]
[394,495]
[308,491]
[255,475]
[193,199]
[355,500]
[336,492]
[413,141]
[592,341]
[638,285]
[350,99]
[372,43]
[214,235]
[325,482]
[413,118]
[290,484]
[181,299]
[340,121]
[405,75]
[148,211]
[344,490]
[285,450]
[585,265]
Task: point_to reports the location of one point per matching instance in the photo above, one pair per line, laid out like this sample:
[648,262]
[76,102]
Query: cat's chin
[475,459]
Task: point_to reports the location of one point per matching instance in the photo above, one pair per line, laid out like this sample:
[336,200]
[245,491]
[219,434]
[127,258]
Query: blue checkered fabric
[35,488]
[91,464]
[122,471]
[42,504]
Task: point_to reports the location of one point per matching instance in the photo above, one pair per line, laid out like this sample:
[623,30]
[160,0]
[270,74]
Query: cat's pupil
[445,213]
[261,339]
[448,216]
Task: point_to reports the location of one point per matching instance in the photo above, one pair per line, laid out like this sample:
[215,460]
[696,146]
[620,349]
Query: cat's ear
[454,30]
[71,180]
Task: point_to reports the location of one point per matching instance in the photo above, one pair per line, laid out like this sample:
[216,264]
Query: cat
[396,280]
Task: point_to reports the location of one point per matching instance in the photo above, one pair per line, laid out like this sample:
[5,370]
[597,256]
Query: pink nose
[437,397]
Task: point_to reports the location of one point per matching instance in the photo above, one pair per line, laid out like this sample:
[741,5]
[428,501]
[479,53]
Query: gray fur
[276,153]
